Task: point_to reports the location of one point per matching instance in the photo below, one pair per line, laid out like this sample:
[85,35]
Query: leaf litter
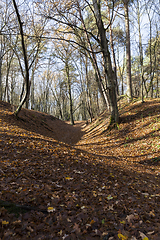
[88,183]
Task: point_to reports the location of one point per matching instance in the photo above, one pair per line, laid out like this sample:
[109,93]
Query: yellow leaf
[60,233]
[123,222]
[69,178]
[5,222]
[122,237]
[152,213]
[92,221]
[50,209]
[94,194]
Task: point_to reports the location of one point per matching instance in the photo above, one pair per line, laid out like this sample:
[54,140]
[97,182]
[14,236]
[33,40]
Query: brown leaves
[68,192]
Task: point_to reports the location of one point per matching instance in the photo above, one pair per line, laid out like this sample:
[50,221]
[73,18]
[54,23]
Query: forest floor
[59,181]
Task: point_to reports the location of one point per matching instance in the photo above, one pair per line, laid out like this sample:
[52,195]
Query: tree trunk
[107,64]
[113,53]
[7,76]
[92,57]
[128,51]
[157,88]
[70,94]
[1,57]
[89,94]
[32,90]
[25,62]
[140,52]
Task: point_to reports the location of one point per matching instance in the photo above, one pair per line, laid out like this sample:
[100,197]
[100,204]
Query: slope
[52,190]
[135,144]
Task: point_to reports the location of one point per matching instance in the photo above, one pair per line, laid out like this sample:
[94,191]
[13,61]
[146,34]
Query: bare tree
[107,62]
[128,51]
[25,61]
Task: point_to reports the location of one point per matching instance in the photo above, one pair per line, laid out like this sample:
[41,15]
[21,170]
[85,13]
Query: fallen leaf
[50,209]
[109,197]
[111,207]
[130,218]
[123,222]
[122,237]
[76,228]
[68,178]
[143,236]
[5,222]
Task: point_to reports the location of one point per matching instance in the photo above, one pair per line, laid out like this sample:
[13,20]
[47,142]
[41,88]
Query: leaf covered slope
[59,181]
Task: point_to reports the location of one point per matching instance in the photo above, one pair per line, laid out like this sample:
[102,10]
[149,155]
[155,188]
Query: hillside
[136,143]
[80,182]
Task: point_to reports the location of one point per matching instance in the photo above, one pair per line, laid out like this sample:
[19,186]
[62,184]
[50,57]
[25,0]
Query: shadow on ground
[43,124]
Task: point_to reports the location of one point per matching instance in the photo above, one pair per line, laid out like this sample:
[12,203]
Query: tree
[152,57]
[25,61]
[153,53]
[67,15]
[112,42]
[140,50]
[128,51]
[64,52]
[92,56]
[3,48]
[107,62]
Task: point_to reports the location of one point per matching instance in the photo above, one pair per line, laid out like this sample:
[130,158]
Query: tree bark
[25,61]
[107,63]
[113,52]
[1,57]
[93,59]
[70,94]
[140,52]
[128,51]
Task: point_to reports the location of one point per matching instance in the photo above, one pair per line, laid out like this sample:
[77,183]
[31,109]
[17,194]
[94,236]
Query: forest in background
[73,59]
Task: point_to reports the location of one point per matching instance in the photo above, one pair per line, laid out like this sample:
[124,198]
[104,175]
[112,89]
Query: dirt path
[72,134]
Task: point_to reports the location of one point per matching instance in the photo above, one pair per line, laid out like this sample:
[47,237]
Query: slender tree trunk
[128,51]
[113,53]
[58,104]
[34,65]
[107,63]
[157,88]
[150,56]
[153,67]
[101,87]
[32,90]
[89,93]
[1,58]
[6,97]
[93,59]
[70,94]
[140,52]
[121,68]
[25,61]
[84,114]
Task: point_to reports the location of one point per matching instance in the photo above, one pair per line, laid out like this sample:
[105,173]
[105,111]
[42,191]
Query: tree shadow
[149,110]
[155,161]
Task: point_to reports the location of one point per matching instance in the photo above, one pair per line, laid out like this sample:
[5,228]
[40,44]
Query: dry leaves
[106,189]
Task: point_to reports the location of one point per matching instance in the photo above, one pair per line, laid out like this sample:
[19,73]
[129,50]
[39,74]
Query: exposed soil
[59,181]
